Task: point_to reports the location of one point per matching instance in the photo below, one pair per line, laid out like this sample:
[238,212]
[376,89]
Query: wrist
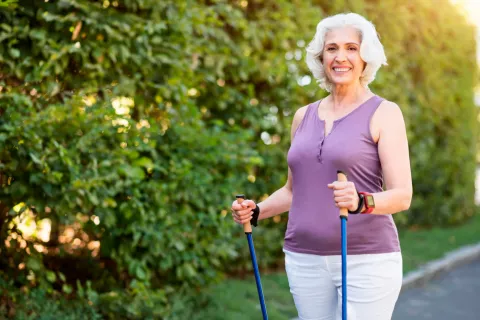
[359,205]
[369,203]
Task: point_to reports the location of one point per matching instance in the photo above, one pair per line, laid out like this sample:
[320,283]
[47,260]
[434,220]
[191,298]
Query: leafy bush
[127,127]
[36,304]
[437,100]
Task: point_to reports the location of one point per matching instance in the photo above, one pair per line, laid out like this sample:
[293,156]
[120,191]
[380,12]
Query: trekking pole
[341,176]
[247,228]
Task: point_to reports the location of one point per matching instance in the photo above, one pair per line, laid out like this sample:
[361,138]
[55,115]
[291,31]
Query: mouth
[341,70]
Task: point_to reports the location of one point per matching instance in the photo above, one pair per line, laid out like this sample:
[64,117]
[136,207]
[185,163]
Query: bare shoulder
[389,111]
[297,119]
[300,113]
[387,118]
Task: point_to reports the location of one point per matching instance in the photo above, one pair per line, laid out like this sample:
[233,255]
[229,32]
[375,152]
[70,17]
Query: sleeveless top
[314,222]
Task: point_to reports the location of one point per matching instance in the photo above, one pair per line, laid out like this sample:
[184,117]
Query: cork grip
[341,176]
[247,227]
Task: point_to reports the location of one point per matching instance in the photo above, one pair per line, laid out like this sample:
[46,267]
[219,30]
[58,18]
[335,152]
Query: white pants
[373,285]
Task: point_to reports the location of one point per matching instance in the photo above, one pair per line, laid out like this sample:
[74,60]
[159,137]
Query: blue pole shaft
[344,267]
[257,276]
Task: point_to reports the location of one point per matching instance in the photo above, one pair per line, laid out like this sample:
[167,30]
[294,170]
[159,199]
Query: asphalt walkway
[452,295]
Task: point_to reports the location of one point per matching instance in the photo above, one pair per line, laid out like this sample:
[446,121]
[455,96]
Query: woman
[364,135]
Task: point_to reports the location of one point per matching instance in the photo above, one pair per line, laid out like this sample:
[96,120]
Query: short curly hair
[371,49]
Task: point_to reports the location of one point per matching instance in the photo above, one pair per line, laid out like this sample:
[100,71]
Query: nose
[341,56]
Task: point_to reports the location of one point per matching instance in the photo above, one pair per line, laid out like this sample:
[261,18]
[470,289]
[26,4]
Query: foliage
[436,96]
[128,127]
[8,3]
[36,304]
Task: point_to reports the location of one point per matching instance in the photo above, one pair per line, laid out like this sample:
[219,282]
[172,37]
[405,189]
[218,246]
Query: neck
[343,96]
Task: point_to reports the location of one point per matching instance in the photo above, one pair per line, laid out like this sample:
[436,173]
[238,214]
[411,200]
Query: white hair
[371,49]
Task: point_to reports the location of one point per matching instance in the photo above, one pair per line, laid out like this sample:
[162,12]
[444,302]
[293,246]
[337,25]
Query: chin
[342,82]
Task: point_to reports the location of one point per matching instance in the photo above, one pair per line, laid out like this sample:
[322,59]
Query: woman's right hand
[242,212]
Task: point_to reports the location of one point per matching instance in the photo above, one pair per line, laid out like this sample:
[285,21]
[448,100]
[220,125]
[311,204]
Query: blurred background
[128,126]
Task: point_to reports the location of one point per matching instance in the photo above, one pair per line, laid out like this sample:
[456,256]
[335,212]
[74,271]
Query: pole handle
[342,176]
[247,227]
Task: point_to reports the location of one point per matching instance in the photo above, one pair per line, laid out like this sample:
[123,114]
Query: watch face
[370,201]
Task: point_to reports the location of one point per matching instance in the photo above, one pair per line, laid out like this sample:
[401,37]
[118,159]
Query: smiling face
[341,56]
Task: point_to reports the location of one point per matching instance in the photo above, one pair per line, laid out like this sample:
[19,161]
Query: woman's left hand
[345,194]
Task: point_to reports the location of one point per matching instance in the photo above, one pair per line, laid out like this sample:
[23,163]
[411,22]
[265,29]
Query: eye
[352,49]
[330,49]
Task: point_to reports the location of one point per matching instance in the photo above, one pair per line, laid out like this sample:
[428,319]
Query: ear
[320,57]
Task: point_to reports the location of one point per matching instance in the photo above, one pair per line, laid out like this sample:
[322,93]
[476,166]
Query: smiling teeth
[341,69]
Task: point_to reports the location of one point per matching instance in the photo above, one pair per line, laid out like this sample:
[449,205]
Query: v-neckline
[323,122]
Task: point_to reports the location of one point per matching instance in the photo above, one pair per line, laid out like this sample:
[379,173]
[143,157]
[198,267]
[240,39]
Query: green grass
[237,299]
[422,246]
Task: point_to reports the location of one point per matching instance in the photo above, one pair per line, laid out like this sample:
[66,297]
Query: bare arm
[388,129]
[394,157]
[279,201]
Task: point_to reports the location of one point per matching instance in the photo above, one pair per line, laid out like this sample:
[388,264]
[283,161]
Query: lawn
[237,299]
[419,247]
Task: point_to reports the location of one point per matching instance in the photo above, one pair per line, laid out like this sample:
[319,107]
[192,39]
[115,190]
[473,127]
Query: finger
[343,199]
[337,185]
[236,205]
[350,188]
[247,212]
[239,218]
[340,193]
[248,204]
[343,204]
[244,205]
[344,184]
[243,221]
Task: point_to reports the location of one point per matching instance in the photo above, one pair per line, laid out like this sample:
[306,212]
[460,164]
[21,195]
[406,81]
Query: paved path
[452,295]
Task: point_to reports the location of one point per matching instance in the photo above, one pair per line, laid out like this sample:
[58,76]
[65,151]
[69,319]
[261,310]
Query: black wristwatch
[361,199]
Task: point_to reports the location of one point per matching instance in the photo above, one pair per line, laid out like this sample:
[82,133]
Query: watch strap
[361,200]
[256,213]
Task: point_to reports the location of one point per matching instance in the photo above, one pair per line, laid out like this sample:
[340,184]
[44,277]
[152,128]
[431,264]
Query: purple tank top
[314,223]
